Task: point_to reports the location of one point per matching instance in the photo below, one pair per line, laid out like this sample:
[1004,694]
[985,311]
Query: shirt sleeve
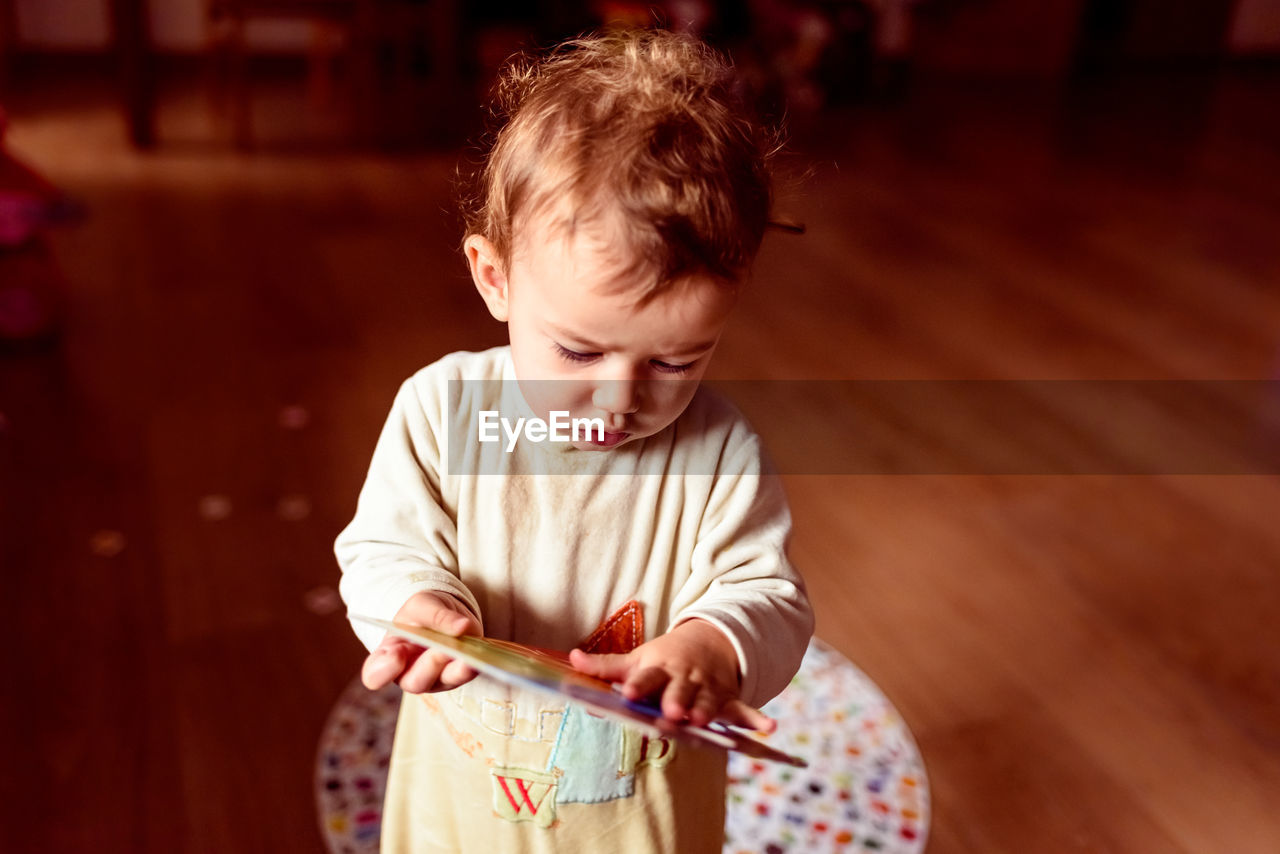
[746,584]
[402,539]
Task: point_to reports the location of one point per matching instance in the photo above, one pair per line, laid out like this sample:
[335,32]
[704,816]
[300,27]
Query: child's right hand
[419,670]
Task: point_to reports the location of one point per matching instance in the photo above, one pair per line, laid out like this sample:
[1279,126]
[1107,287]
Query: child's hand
[418,670]
[694,668]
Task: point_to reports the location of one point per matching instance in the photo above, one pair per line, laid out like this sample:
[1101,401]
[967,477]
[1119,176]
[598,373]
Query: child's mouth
[607,440]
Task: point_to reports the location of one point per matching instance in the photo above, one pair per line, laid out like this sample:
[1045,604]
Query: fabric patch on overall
[621,632]
[593,759]
[523,795]
[588,754]
[596,759]
[640,749]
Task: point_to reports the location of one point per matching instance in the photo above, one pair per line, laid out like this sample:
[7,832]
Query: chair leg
[238,73]
[365,95]
[323,51]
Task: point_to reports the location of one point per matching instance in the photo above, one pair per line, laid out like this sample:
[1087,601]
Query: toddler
[619,210]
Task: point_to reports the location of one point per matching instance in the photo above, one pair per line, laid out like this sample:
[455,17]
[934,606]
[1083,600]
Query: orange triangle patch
[620,633]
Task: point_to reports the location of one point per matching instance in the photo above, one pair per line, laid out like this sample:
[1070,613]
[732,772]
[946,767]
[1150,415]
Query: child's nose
[620,397]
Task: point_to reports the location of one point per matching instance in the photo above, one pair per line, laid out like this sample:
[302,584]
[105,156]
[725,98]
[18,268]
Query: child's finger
[384,664]
[609,667]
[705,707]
[459,625]
[739,714]
[677,697]
[645,683]
[434,613]
[456,673]
[421,676]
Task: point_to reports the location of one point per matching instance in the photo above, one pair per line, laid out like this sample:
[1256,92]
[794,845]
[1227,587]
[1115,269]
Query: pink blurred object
[28,203]
[19,217]
[30,283]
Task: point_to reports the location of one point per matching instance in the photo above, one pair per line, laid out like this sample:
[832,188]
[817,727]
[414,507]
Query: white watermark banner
[1012,427]
[493,426]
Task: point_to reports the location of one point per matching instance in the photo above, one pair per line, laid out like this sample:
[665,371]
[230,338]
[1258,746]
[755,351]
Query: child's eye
[668,368]
[574,356]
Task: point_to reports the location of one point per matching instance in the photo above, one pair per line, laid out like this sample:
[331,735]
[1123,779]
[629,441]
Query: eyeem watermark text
[491,427]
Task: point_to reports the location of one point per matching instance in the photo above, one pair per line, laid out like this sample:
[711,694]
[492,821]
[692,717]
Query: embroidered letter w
[523,795]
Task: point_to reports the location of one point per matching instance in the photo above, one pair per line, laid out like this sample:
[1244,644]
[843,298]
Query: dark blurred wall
[1119,34]
[997,36]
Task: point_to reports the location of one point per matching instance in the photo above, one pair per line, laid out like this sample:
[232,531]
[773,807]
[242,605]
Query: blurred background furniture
[131,37]
[387,57]
[8,38]
[334,24]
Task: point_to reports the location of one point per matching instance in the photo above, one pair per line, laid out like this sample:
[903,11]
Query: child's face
[573,320]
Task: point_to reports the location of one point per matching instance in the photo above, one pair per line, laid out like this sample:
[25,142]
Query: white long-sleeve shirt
[686,522]
[543,559]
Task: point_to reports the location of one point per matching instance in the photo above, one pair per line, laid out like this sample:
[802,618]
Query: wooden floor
[1089,663]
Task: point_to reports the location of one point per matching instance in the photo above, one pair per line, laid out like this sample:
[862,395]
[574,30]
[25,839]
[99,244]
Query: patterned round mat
[864,790]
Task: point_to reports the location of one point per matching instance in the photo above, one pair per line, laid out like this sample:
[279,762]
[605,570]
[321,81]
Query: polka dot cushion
[351,767]
[864,790]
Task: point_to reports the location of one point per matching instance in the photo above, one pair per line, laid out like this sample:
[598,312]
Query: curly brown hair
[650,127]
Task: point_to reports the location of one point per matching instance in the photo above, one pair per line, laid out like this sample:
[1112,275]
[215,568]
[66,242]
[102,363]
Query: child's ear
[489,274]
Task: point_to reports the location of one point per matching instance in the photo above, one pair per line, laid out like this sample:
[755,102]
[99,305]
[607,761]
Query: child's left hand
[695,669]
